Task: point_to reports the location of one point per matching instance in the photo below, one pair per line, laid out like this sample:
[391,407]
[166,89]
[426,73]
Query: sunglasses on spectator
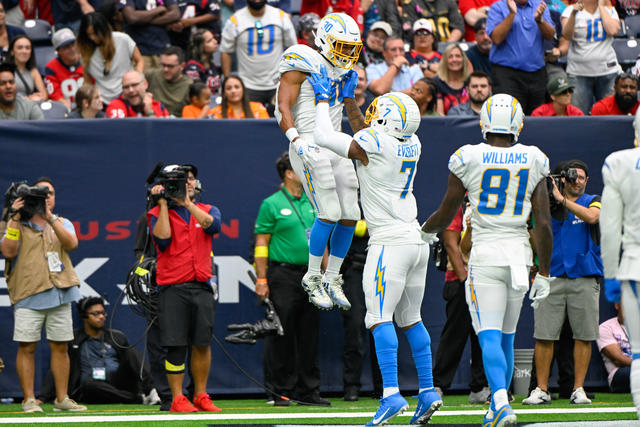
[422,33]
[566,91]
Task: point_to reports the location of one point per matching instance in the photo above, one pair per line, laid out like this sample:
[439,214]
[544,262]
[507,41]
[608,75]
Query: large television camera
[174,180]
[570,175]
[35,198]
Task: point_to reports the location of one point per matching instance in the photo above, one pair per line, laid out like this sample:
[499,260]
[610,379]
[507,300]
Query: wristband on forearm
[261,252]
[291,134]
[261,281]
[13,233]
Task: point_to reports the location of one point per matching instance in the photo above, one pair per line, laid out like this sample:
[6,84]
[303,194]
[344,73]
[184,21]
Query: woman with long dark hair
[28,80]
[235,102]
[200,65]
[106,54]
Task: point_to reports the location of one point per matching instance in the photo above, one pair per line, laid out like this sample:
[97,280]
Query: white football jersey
[308,60]
[621,211]
[386,187]
[499,181]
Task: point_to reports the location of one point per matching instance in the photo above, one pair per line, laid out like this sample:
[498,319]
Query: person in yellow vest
[42,284]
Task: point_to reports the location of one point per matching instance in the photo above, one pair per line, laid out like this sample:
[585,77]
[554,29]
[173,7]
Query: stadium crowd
[204,60]
[417,46]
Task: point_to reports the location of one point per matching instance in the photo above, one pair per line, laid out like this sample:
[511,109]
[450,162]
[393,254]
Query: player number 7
[407,166]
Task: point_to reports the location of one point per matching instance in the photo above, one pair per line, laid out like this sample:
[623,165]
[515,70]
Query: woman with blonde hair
[106,54]
[453,70]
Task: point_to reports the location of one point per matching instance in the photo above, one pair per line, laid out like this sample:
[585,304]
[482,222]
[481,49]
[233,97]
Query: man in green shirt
[282,253]
[168,85]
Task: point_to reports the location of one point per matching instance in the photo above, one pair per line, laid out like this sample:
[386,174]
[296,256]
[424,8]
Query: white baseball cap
[423,24]
[382,25]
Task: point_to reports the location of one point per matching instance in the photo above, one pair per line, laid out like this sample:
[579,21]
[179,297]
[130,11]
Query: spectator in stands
[89,104]
[425,93]
[324,7]
[235,102]
[106,55]
[395,74]
[478,54]
[168,85]
[306,29]
[478,86]
[472,11]
[146,21]
[592,66]
[13,107]
[28,79]
[453,72]
[424,48]
[7,33]
[444,13]
[135,100]
[627,8]
[389,12]
[112,11]
[200,96]
[613,343]
[517,28]
[560,90]
[258,34]
[363,95]
[623,102]
[200,65]
[68,14]
[63,74]
[195,14]
[372,51]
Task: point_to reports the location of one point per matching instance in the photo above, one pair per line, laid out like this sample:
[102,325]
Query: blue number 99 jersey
[500,181]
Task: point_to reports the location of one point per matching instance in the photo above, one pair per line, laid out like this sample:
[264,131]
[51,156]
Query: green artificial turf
[364,405]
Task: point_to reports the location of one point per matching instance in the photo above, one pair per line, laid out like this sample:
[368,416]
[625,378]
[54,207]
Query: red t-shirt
[323,7]
[456,225]
[62,81]
[120,109]
[608,107]
[465,6]
[548,110]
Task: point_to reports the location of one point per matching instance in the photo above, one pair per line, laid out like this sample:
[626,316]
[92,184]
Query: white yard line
[283,416]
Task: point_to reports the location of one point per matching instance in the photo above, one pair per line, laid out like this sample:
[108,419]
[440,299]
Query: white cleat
[334,289]
[312,284]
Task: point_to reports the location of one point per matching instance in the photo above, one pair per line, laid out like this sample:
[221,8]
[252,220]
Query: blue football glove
[320,84]
[349,83]
[612,290]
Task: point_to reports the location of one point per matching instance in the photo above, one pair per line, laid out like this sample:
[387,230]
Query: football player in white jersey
[504,180]
[387,155]
[329,181]
[620,228]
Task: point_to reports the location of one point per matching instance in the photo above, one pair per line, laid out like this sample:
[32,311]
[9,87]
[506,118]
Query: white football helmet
[338,38]
[501,113]
[394,114]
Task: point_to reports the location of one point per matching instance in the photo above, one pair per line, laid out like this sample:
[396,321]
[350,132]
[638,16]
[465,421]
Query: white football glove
[539,289]
[307,151]
[429,238]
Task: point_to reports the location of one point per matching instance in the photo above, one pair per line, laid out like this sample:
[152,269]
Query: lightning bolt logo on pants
[381,283]
[474,297]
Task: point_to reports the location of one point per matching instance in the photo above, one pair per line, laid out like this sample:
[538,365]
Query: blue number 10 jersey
[500,181]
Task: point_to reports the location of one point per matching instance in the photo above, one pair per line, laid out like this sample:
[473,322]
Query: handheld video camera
[174,180]
[570,175]
[34,199]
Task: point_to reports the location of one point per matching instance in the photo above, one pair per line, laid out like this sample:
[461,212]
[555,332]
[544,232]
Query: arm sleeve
[216,225]
[610,222]
[52,83]
[161,244]
[290,37]
[494,17]
[457,164]
[455,18]
[325,136]
[606,337]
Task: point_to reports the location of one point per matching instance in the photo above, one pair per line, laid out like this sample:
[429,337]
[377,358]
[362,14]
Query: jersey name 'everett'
[500,181]
[307,60]
[386,185]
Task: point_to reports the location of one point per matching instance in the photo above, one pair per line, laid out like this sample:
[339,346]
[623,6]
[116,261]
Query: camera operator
[42,284]
[182,231]
[576,267]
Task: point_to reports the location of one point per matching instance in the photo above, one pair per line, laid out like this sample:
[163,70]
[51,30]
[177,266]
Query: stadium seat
[294,8]
[627,51]
[633,26]
[623,33]
[53,110]
[38,30]
[463,45]
[44,54]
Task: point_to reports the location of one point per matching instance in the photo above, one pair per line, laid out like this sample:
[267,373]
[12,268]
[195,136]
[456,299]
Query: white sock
[500,398]
[635,383]
[314,264]
[333,267]
[388,391]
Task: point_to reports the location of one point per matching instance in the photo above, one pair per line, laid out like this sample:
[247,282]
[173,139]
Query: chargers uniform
[331,184]
[620,227]
[396,267]
[500,181]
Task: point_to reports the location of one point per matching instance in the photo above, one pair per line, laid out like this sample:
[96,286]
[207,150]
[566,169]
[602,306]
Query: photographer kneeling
[42,284]
[182,232]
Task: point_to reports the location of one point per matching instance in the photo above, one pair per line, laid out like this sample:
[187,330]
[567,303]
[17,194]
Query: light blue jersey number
[494,188]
